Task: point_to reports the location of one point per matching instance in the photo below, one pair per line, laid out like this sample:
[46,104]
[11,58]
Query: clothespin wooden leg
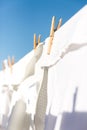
[59,23]
[51,35]
[35,41]
[50,45]
[39,38]
[12,61]
[9,63]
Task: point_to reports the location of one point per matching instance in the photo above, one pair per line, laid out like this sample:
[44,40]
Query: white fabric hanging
[27,92]
[67,79]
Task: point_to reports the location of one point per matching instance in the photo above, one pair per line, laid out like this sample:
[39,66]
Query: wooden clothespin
[13,60]
[39,38]
[10,63]
[51,35]
[35,41]
[59,23]
[35,44]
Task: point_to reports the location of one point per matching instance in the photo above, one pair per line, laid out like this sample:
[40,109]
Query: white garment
[67,79]
[28,90]
[20,71]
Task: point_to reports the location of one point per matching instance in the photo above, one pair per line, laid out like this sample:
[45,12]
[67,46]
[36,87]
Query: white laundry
[67,77]
[66,107]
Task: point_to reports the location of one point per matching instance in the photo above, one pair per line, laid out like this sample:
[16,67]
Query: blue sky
[20,19]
